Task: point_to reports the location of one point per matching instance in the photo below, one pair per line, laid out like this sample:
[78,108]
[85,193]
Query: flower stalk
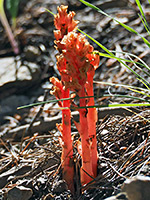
[92,112]
[85,143]
[65,128]
[67,153]
[64,24]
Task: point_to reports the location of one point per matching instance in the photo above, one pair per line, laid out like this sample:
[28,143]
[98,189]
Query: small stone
[137,188]
[59,187]
[14,82]
[19,192]
[31,53]
[17,79]
[120,196]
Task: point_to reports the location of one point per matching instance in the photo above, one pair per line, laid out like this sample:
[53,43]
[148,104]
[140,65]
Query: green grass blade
[1,7]
[134,72]
[144,21]
[96,42]
[49,11]
[52,101]
[137,91]
[121,85]
[43,102]
[115,105]
[77,98]
[124,60]
[125,96]
[110,53]
[7,27]
[145,85]
[114,57]
[141,69]
[129,105]
[140,8]
[145,24]
[124,25]
[130,54]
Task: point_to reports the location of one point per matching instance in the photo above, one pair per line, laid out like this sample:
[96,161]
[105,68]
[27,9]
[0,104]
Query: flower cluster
[64,22]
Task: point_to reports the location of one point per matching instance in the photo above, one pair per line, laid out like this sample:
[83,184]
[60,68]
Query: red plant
[64,23]
[76,65]
[65,128]
[92,112]
[75,50]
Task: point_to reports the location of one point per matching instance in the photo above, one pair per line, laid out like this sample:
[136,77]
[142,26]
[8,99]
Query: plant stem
[8,29]
[67,151]
[86,155]
[92,119]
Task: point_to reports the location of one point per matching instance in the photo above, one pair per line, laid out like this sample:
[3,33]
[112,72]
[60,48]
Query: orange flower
[75,49]
[57,89]
[94,60]
[64,22]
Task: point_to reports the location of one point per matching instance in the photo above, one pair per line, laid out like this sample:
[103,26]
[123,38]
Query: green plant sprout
[12,6]
[8,30]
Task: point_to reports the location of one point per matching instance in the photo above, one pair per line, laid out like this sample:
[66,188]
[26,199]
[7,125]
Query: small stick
[37,114]
[28,129]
